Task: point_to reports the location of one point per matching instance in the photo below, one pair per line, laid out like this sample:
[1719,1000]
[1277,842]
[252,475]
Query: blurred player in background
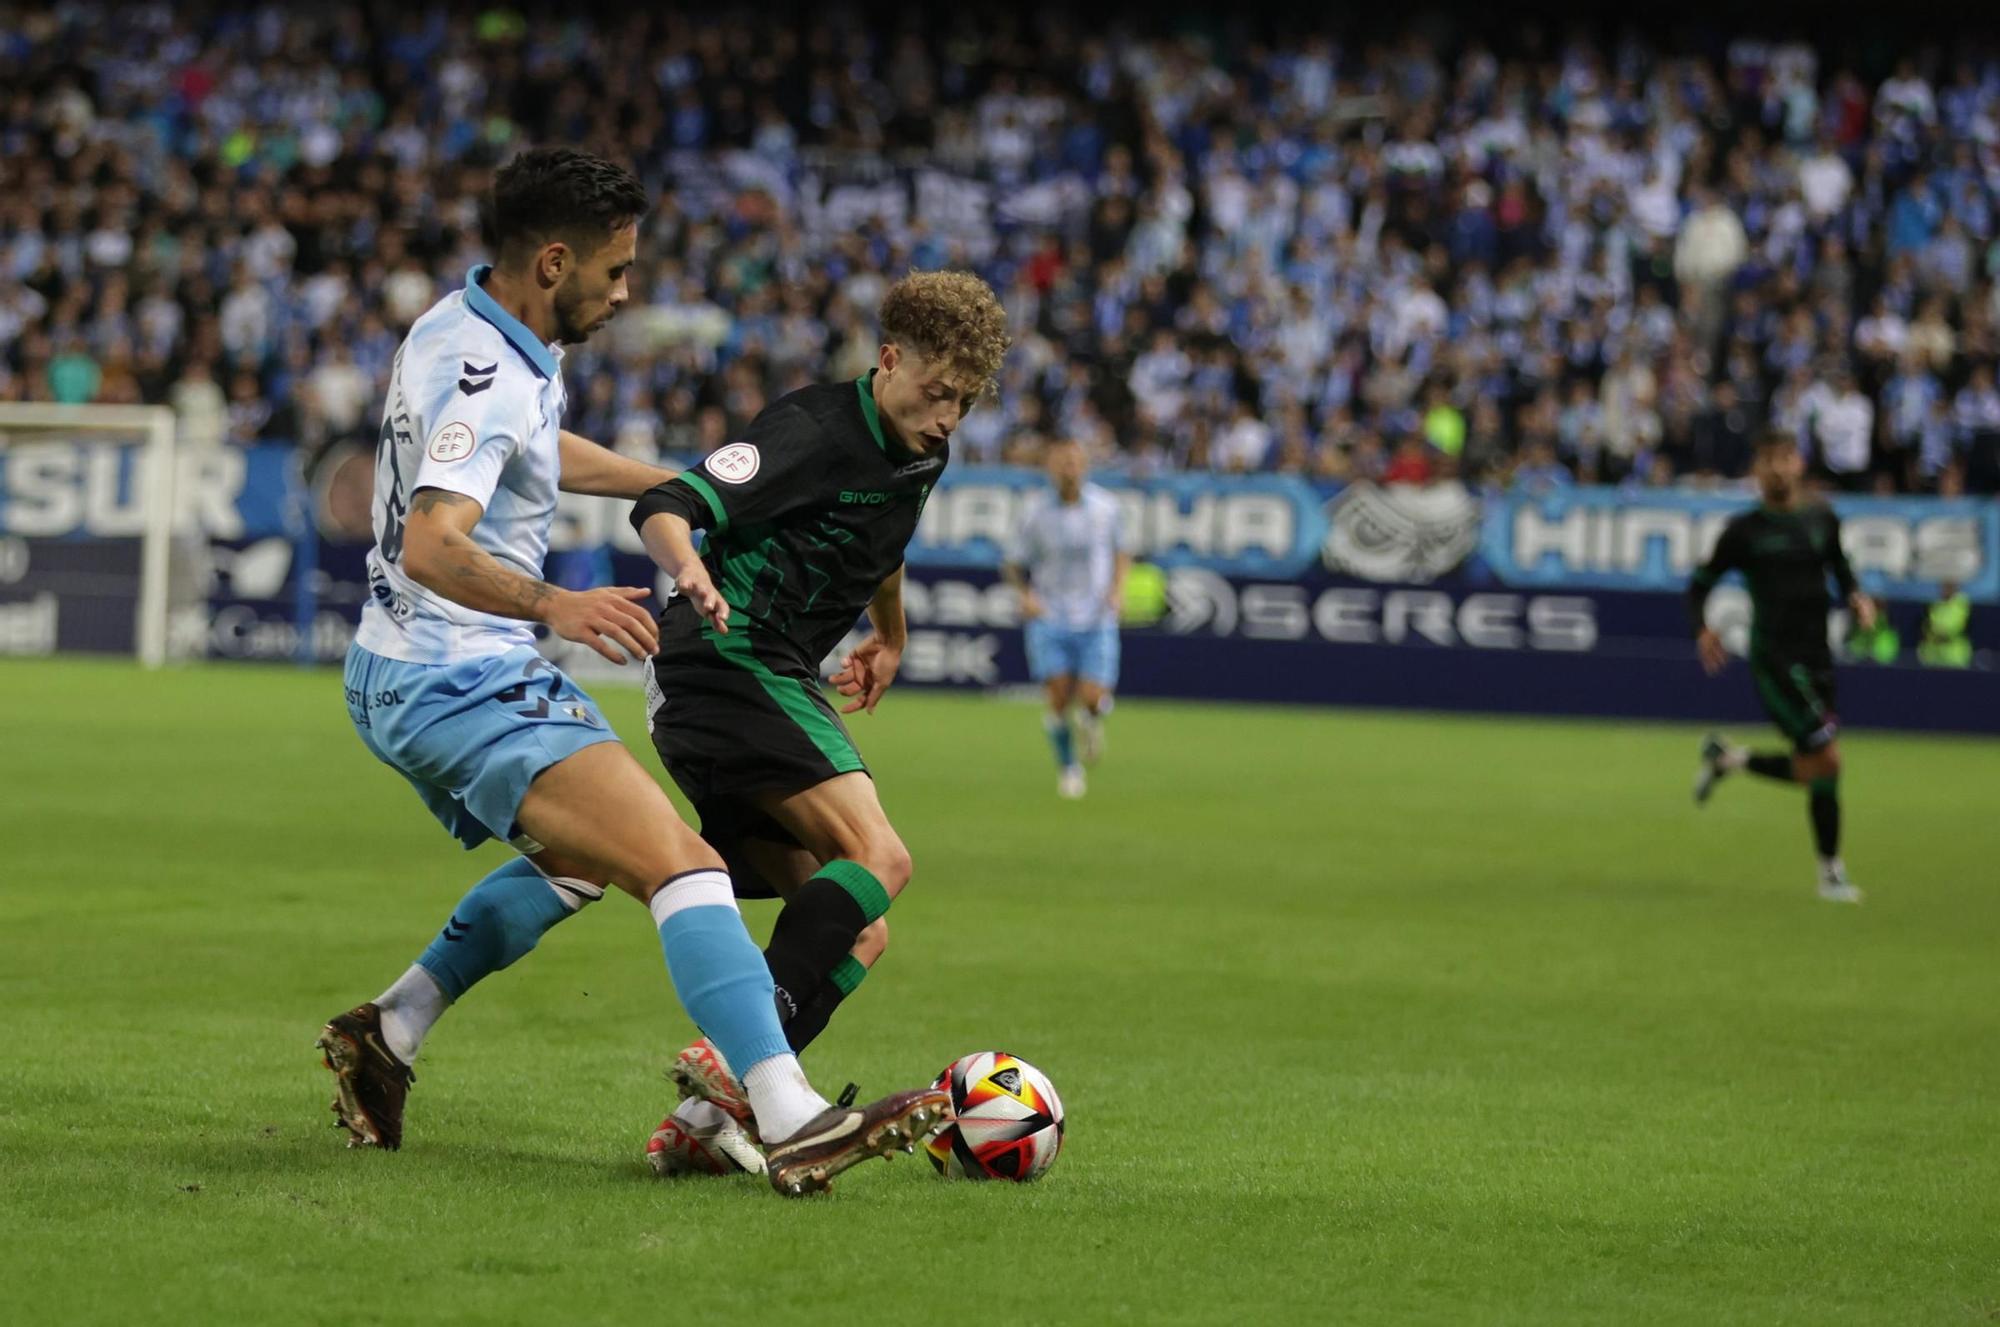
[445,685]
[807,517]
[1070,561]
[1785,549]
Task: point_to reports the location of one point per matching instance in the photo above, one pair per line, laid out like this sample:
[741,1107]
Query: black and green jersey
[1785,558]
[806,516]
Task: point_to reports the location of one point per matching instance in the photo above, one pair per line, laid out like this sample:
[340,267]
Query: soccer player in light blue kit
[444,682]
[1069,561]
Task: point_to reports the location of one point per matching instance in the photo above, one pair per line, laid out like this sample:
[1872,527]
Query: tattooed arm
[440,555]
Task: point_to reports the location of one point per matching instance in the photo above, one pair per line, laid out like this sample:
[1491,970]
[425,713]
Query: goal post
[87,512]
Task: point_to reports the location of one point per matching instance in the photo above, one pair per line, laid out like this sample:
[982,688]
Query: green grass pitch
[1359,1018]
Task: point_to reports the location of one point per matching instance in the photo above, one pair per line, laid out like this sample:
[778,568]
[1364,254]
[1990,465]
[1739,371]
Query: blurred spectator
[1841,425]
[340,394]
[200,409]
[1877,644]
[1245,444]
[1604,260]
[1946,642]
[73,372]
[1411,463]
[1712,245]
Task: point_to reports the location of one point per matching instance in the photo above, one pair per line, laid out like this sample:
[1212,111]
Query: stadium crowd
[1563,260]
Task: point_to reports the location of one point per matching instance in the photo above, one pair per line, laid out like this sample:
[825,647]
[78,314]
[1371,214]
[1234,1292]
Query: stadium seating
[1406,259]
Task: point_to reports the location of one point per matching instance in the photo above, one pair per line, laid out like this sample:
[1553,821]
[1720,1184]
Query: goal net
[88,546]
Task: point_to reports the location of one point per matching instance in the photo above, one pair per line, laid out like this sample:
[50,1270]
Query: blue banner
[1258,587]
[1253,525]
[1902,548]
[1264,526]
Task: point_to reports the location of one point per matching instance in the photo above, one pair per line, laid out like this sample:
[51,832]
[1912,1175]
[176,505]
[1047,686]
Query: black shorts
[732,719]
[1800,697]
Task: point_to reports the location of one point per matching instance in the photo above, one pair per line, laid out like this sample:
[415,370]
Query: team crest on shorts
[737,463]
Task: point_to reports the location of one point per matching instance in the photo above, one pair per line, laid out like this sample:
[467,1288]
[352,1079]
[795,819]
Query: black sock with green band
[816,930]
[812,1017]
[1823,800]
[1771,764]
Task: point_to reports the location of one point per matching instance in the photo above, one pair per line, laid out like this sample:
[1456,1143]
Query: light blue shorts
[1090,654]
[471,736]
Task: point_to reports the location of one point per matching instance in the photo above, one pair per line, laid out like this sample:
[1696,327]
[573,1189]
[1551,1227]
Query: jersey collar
[531,347]
[865,384]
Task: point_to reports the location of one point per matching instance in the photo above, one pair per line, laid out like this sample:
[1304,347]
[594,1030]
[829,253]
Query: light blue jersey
[475,405]
[1070,551]
[456,700]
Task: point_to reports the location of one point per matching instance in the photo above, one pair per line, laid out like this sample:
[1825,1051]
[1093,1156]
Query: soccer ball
[1007,1119]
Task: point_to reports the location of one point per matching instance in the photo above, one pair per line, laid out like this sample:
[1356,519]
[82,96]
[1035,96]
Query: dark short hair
[1772,439]
[558,193]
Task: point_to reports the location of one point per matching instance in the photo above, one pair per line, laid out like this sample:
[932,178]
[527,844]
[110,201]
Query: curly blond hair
[950,317]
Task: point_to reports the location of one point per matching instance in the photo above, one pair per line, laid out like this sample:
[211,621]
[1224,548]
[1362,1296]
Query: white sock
[409,1008]
[701,1116]
[1733,758]
[781,1096]
[1832,868]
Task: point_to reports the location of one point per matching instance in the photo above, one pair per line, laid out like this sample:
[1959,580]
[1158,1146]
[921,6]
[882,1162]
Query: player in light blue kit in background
[1069,561]
[444,683]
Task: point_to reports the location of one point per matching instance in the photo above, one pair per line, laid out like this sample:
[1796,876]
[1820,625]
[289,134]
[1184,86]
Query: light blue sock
[719,973]
[499,920]
[1061,738]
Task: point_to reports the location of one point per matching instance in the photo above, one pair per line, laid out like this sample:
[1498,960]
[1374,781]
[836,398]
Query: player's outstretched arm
[603,473]
[669,541]
[440,555]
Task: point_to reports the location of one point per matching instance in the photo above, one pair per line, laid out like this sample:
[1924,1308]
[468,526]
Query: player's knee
[555,864]
[640,869]
[887,860]
[872,943]
[1829,763]
[575,882]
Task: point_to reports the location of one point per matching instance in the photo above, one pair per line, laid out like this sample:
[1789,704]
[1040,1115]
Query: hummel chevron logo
[456,930]
[477,379]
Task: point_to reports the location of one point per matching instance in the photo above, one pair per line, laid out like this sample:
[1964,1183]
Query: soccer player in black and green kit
[807,516]
[1785,549]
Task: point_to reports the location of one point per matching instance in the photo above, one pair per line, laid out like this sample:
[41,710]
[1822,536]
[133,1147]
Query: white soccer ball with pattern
[1007,1120]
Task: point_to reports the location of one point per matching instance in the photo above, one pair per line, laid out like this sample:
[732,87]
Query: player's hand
[1031,605]
[695,586]
[607,619]
[1864,610]
[867,673]
[1709,646]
